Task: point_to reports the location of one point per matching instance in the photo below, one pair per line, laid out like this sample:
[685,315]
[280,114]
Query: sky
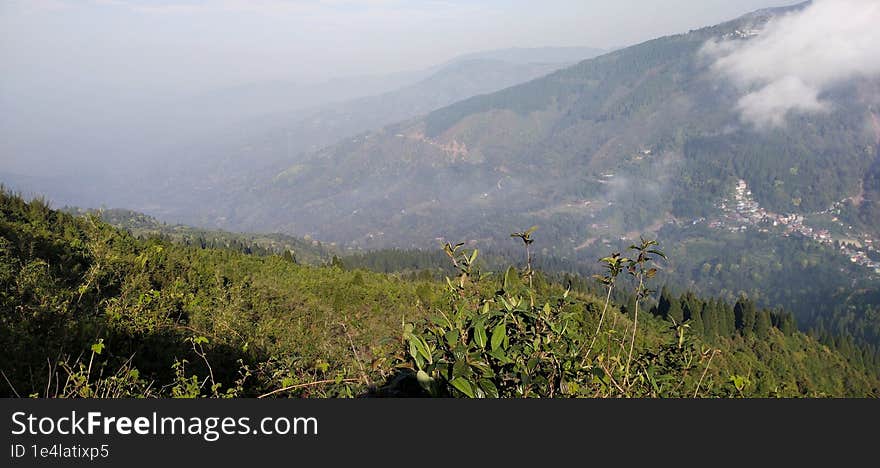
[180,46]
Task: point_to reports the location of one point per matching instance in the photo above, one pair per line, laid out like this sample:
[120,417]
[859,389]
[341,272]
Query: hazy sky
[186,45]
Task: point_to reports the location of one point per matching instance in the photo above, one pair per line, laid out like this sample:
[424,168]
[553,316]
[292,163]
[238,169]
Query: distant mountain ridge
[221,142]
[525,55]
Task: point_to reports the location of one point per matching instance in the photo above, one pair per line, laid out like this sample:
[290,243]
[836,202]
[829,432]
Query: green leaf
[451,338]
[480,335]
[489,388]
[463,386]
[532,364]
[461,369]
[481,367]
[658,253]
[498,334]
[500,356]
[422,348]
[413,351]
[459,352]
[509,278]
[420,361]
[98,347]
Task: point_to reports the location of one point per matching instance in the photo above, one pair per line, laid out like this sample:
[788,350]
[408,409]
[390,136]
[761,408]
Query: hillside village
[743,212]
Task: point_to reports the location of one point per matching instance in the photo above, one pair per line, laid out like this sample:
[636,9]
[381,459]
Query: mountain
[282,136]
[642,140]
[565,150]
[177,155]
[273,141]
[526,55]
[263,106]
[537,153]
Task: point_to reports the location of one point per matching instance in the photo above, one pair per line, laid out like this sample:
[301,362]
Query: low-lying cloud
[797,57]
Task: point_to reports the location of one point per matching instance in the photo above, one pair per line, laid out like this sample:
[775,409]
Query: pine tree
[788,324]
[750,318]
[763,324]
[288,256]
[739,314]
[721,317]
[687,307]
[708,320]
[697,320]
[730,321]
[744,316]
[675,311]
[665,303]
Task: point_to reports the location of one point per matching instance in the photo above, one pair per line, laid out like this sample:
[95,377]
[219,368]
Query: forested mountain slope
[219,173]
[90,310]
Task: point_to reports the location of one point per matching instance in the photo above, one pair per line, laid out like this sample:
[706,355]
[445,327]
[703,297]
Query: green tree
[288,256]
[745,316]
[675,311]
[665,302]
[763,324]
[698,320]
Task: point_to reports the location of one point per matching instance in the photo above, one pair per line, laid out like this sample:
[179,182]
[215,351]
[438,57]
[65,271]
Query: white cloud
[770,104]
[799,56]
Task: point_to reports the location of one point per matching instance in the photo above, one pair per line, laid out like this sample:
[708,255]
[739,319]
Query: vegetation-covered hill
[302,250]
[91,310]
[771,271]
